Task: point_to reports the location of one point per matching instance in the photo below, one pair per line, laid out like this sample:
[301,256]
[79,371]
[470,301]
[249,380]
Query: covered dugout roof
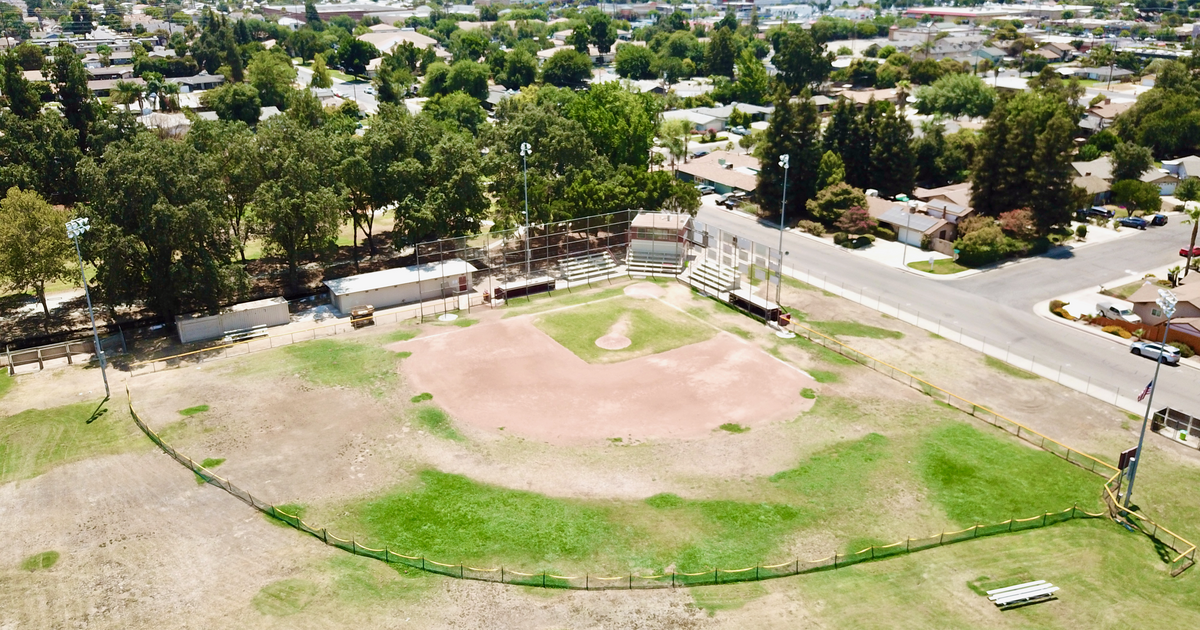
[401,275]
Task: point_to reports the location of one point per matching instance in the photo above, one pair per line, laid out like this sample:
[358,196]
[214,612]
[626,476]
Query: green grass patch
[808,393]
[733,427]
[437,422]
[942,267]
[209,463]
[40,561]
[1124,291]
[744,334]
[650,326]
[997,364]
[399,335]
[191,411]
[422,397]
[465,322]
[285,597]
[357,581]
[559,299]
[854,329]
[822,376]
[977,477]
[6,383]
[821,352]
[294,509]
[788,281]
[36,440]
[330,363]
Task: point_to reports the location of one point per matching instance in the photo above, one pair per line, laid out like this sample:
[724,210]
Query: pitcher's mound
[613,342]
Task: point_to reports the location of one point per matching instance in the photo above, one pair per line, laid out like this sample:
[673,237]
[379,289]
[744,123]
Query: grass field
[36,440]
[6,383]
[330,363]
[853,329]
[651,328]
[941,267]
[546,301]
[971,475]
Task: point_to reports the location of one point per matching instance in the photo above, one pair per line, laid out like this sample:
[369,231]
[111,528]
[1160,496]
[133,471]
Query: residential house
[1063,51]
[701,123]
[914,228]
[1101,115]
[951,212]
[1161,178]
[598,58]
[199,82]
[1185,326]
[1183,167]
[860,98]
[1099,189]
[386,40]
[957,194]
[111,72]
[1045,53]
[991,53]
[101,89]
[823,103]
[1104,73]
[725,171]
[1102,168]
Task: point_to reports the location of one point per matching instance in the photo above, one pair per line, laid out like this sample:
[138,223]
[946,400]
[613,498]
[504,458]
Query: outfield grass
[652,328]
[40,561]
[191,411]
[330,363]
[6,383]
[854,329]
[547,301]
[969,475]
[941,267]
[997,364]
[437,422]
[36,440]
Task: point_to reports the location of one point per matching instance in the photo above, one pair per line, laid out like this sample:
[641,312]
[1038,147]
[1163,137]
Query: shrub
[856,220]
[983,246]
[864,241]
[840,238]
[1081,231]
[1184,350]
[1057,304]
[812,227]
[1118,331]
[884,232]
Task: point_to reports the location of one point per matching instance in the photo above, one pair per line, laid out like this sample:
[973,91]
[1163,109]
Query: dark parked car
[1158,219]
[1133,222]
[1096,211]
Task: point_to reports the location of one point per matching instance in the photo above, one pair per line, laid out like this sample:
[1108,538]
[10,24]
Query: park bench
[246,334]
[1022,593]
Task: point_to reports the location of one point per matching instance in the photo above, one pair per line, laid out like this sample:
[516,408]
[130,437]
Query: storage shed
[198,326]
[403,285]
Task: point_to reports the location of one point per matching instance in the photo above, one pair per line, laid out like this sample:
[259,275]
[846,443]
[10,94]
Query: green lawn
[330,363]
[191,411]
[436,421]
[968,474]
[547,301]
[854,329]
[36,440]
[941,267]
[1124,291]
[652,327]
[6,382]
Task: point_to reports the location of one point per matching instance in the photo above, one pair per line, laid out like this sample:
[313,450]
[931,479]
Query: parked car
[1183,251]
[732,202]
[1114,311]
[1152,350]
[1158,219]
[705,189]
[1133,222]
[739,130]
[1096,211]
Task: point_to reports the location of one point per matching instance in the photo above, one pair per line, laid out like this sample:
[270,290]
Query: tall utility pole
[1166,301]
[75,229]
[785,162]
[526,150]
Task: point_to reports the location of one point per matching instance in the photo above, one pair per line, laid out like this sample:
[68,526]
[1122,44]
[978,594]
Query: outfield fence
[1184,552]
[587,581]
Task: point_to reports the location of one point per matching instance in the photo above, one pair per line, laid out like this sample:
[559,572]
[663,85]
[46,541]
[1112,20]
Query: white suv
[1151,350]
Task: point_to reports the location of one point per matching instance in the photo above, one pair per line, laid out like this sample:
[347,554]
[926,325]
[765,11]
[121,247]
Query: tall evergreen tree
[794,130]
[1051,188]
[991,158]
[20,95]
[70,87]
[720,53]
[893,164]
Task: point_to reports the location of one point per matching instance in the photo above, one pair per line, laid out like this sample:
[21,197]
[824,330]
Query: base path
[512,375]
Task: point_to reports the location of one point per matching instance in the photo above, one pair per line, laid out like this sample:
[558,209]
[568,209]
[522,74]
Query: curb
[1042,309]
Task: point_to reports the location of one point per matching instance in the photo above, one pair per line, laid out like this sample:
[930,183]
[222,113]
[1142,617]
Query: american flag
[1146,392]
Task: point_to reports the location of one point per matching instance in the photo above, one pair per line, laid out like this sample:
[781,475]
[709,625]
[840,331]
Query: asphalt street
[997,305]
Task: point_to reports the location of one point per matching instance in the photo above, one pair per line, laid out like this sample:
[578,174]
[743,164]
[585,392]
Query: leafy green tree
[850,135]
[320,73]
[272,76]
[579,39]
[674,135]
[794,130]
[311,16]
[894,165]
[752,85]
[956,95]
[468,45]
[634,62]
[721,53]
[29,57]
[601,29]
[567,67]
[233,147]
[455,199]
[22,98]
[1130,161]
[830,171]
[833,202]
[70,88]
[157,231]
[520,69]
[469,77]
[1137,195]
[40,154]
[620,123]
[458,110]
[984,245]
[34,249]
[437,75]
[234,102]
[354,54]
[802,61]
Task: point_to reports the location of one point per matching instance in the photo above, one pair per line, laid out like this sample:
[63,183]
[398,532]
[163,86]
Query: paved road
[999,310]
[355,90]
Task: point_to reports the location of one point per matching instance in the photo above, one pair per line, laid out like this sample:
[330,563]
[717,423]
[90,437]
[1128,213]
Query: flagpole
[1166,301]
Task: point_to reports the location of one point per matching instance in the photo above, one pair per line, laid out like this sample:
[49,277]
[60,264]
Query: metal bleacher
[597,266]
[1022,593]
[712,279]
[653,264]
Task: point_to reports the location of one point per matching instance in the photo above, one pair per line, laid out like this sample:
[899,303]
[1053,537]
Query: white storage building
[198,327]
[403,285]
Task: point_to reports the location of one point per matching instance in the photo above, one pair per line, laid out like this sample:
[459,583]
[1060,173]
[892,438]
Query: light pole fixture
[76,228]
[785,163]
[526,150]
[912,207]
[1167,302]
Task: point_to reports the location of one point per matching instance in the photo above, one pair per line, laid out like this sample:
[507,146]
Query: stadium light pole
[75,228]
[785,161]
[526,150]
[1166,301]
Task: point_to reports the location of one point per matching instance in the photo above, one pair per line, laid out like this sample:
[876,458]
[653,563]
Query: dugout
[755,305]
[403,285]
[259,313]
